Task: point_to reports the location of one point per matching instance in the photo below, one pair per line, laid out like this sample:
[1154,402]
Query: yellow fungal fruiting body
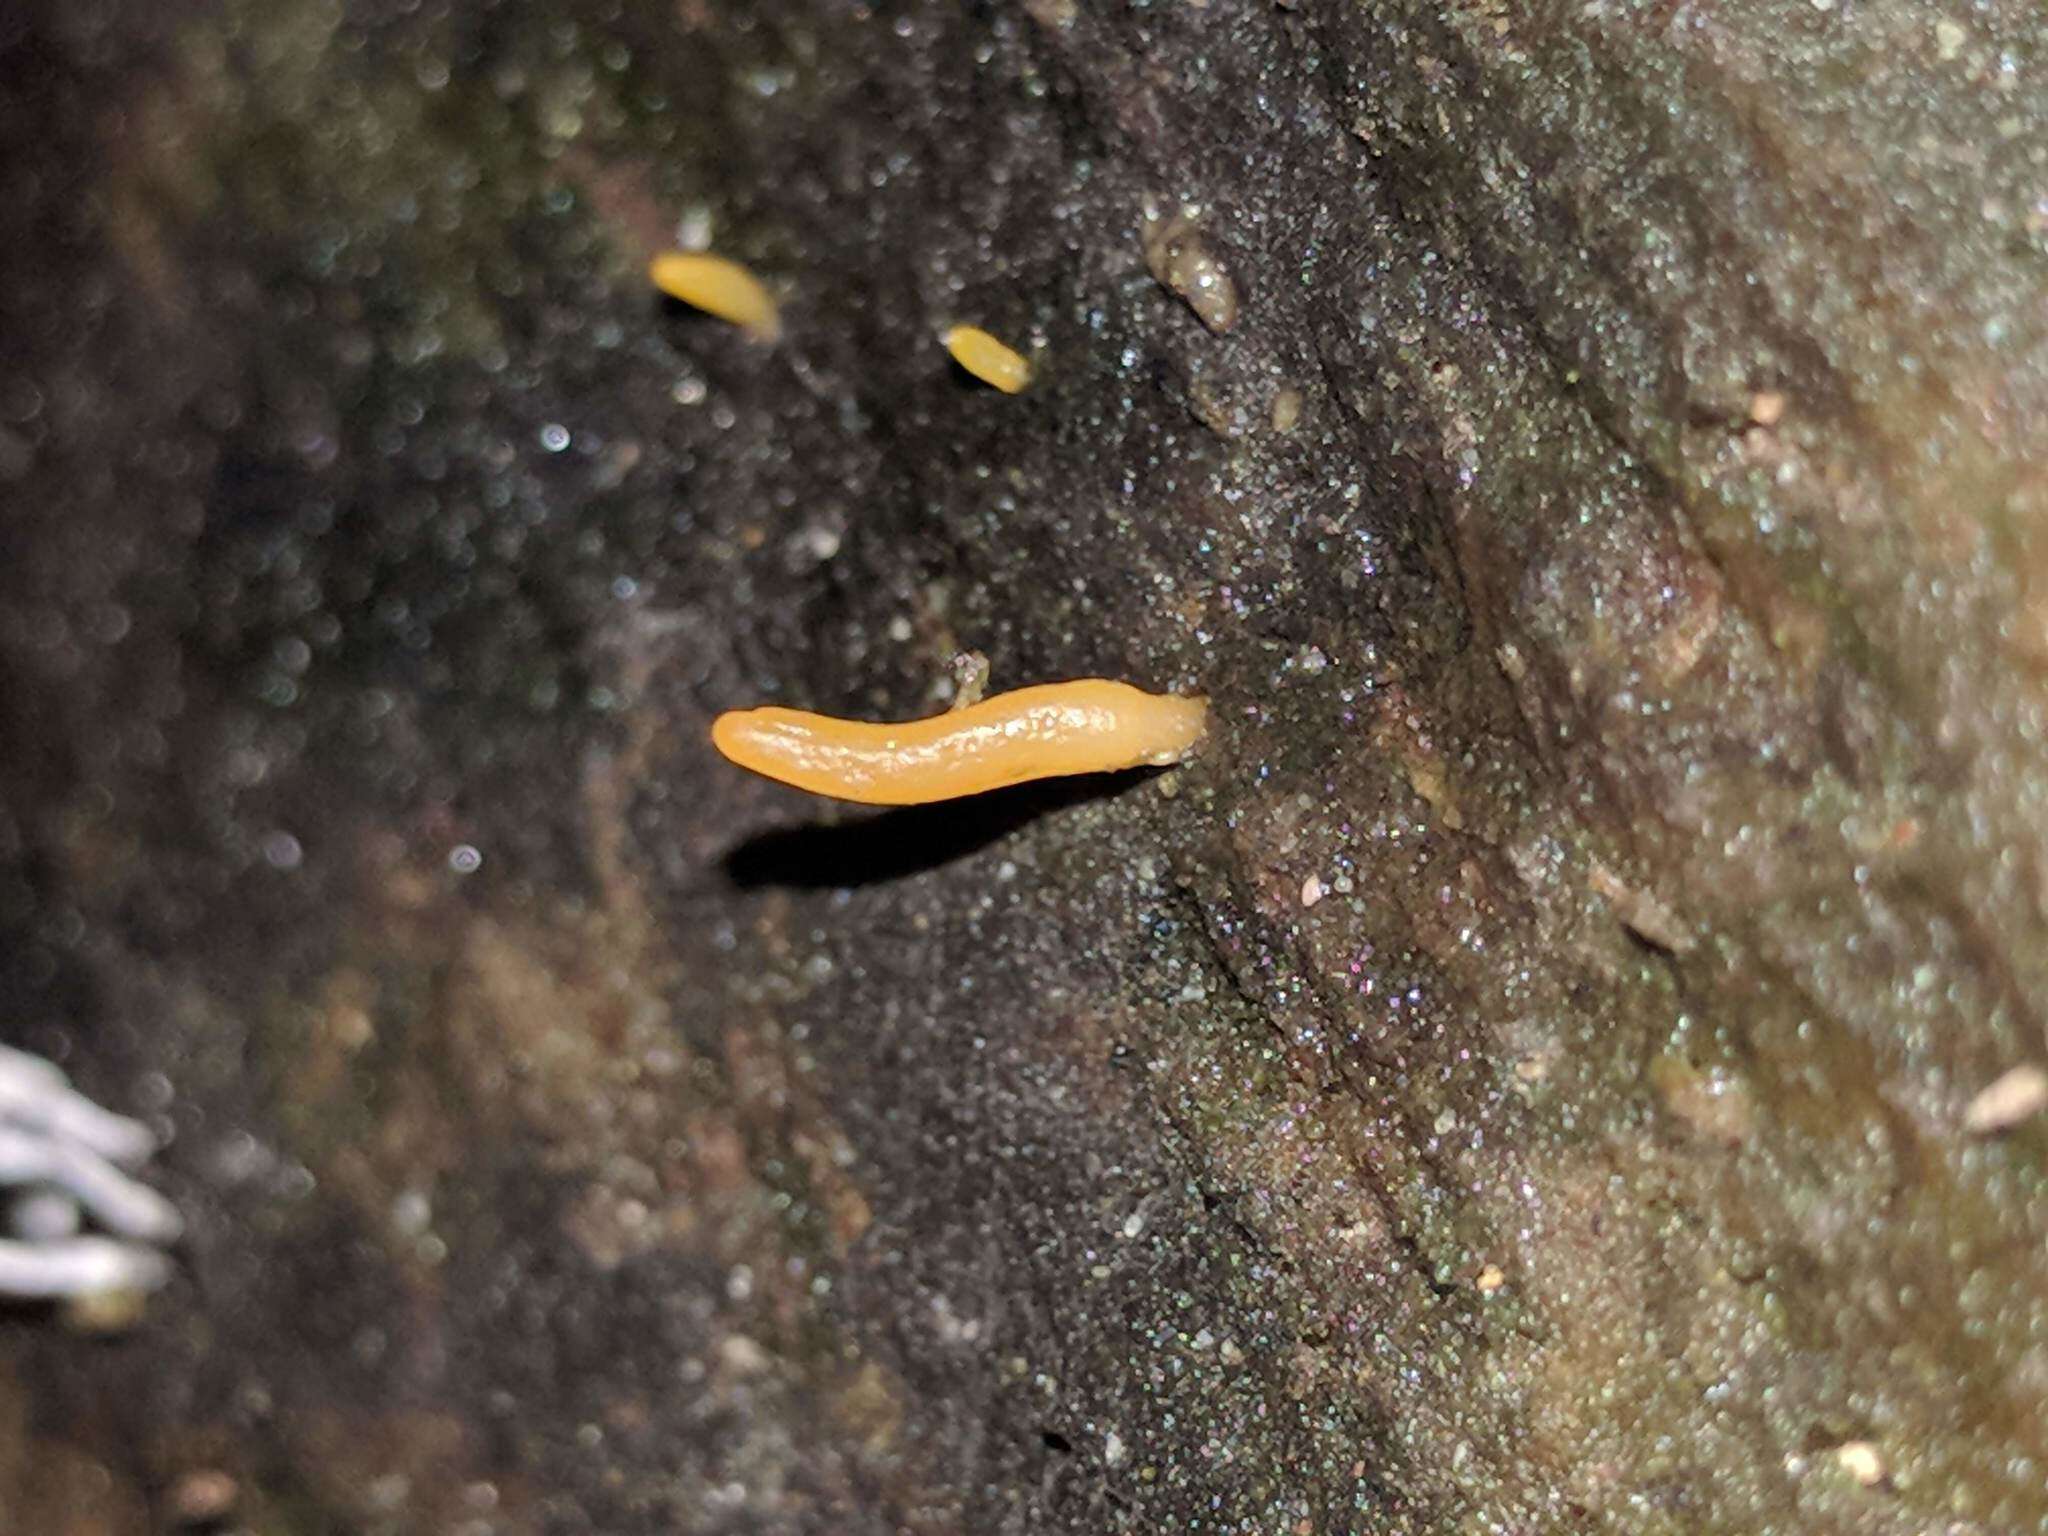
[1089,726]
[718,287]
[988,359]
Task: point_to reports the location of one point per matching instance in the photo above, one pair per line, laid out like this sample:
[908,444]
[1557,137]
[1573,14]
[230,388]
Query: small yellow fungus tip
[718,287]
[988,359]
[1091,725]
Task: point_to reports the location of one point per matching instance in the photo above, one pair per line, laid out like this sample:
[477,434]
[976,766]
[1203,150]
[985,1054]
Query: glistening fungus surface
[1515,1079]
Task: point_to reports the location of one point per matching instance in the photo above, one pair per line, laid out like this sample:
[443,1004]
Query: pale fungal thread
[65,1161]
[1092,725]
[999,366]
[718,287]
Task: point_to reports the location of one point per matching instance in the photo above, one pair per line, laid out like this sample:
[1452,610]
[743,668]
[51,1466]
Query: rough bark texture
[1512,1082]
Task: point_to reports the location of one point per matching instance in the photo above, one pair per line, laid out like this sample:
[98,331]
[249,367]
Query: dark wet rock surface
[1516,1079]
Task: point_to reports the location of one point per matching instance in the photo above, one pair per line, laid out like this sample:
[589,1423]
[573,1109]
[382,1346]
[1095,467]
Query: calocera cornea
[1091,725]
[989,360]
[718,287]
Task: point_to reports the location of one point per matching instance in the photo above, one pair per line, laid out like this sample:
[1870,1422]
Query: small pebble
[1181,259]
[1286,409]
[1862,1461]
[201,1497]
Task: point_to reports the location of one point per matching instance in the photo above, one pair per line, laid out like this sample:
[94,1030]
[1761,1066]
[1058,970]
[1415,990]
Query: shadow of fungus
[911,839]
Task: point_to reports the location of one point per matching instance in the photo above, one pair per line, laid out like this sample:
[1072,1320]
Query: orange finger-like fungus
[988,359]
[1089,726]
[718,287]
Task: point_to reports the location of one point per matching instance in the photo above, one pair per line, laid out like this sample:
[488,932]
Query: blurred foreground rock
[1526,1076]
